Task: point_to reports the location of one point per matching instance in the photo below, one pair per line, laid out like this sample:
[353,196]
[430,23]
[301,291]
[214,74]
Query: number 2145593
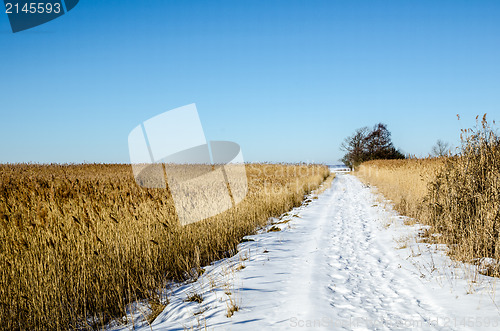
[33,8]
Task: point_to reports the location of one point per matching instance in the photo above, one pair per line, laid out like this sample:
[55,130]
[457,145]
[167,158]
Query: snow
[343,260]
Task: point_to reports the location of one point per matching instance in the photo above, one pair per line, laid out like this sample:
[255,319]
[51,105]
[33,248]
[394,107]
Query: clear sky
[287,80]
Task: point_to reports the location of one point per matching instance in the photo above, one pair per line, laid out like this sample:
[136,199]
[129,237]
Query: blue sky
[287,80]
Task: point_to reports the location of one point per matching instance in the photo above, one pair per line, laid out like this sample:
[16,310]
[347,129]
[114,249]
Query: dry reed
[458,196]
[80,242]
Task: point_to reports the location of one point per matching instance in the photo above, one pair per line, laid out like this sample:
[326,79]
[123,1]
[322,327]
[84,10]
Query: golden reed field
[458,196]
[80,242]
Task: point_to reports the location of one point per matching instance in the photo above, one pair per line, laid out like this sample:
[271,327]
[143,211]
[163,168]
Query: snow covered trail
[334,265]
[338,272]
[347,269]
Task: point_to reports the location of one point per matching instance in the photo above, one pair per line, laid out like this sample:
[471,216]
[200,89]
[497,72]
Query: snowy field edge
[343,260]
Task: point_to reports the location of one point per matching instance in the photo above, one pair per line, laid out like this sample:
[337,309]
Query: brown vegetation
[404,182]
[80,242]
[458,196]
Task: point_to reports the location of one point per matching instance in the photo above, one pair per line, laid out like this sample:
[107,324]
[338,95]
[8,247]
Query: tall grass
[80,242]
[464,199]
[458,196]
[404,182]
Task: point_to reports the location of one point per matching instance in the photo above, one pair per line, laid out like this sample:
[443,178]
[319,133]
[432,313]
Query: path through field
[334,265]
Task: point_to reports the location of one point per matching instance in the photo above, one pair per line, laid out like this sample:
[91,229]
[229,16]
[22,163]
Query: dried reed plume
[458,196]
[80,242]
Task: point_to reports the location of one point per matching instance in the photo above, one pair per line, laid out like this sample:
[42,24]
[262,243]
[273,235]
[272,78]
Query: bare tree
[355,146]
[441,148]
[366,144]
[378,143]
